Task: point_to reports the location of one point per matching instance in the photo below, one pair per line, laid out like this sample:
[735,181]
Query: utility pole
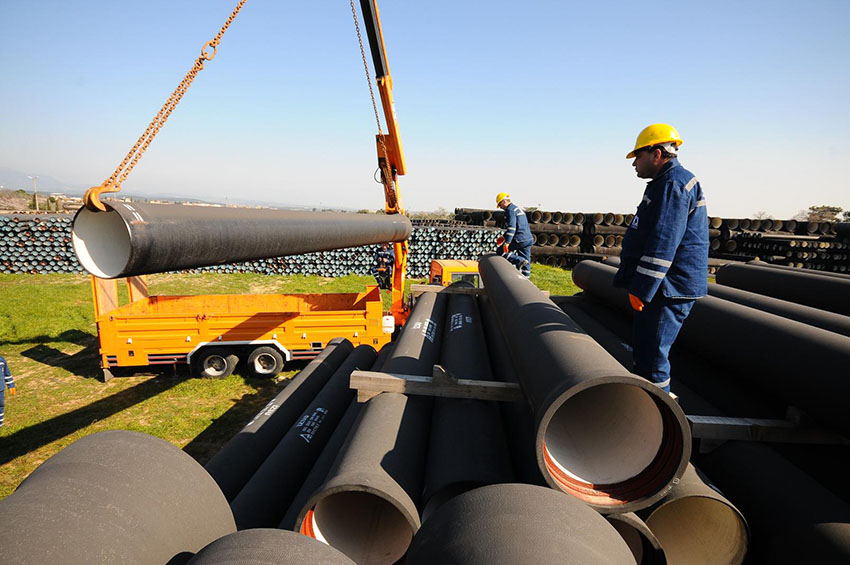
[34,190]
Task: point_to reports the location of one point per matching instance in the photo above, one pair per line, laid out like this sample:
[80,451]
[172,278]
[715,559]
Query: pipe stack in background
[565,238]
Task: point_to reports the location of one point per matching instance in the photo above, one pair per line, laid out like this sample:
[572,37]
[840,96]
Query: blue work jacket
[666,245]
[516,223]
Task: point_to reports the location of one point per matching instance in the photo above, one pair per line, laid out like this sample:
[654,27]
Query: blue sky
[542,99]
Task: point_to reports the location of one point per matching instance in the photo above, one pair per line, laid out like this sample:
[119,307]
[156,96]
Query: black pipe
[518,420]
[611,438]
[702,387]
[818,291]
[367,507]
[695,523]
[261,545]
[642,542]
[751,349]
[115,496]
[467,447]
[757,263]
[792,517]
[323,464]
[606,230]
[264,499]
[799,312]
[139,238]
[556,228]
[515,523]
[239,458]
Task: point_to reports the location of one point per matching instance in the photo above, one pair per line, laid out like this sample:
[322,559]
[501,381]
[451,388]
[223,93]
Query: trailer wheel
[215,364]
[265,362]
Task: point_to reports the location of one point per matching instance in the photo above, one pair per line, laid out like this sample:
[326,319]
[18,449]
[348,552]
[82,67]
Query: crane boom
[390,153]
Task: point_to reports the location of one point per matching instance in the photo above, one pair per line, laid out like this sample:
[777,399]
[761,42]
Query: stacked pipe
[792,516]
[562,239]
[805,244]
[37,244]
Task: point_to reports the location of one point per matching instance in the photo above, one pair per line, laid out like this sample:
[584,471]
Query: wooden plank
[760,429]
[418,289]
[370,384]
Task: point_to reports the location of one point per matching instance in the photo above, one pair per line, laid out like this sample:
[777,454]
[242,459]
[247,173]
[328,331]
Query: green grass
[48,337]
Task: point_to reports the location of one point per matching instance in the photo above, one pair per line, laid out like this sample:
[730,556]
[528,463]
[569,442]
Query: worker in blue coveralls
[516,246]
[664,261]
[7,382]
[382,267]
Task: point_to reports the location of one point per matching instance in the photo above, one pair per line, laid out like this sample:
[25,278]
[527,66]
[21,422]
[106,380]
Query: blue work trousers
[517,254]
[654,331]
[2,400]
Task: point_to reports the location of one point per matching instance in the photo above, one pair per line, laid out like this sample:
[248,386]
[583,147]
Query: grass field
[48,337]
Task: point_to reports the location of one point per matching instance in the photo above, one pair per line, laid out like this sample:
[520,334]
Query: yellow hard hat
[655,135]
[501,196]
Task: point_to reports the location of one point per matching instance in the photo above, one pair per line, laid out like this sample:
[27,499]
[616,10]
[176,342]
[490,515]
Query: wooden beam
[441,383]
[760,429]
[417,289]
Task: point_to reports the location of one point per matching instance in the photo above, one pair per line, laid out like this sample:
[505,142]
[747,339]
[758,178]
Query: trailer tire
[265,362]
[215,363]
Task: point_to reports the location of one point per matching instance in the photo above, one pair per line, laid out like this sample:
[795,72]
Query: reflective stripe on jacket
[516,223]
[666,246]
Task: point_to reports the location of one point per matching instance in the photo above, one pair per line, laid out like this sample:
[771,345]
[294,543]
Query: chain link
[390,194]
[113,183]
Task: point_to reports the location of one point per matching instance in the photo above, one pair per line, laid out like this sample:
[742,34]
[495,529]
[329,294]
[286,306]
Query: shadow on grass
[33,437]
[84,363]
[208,442]
[71,336]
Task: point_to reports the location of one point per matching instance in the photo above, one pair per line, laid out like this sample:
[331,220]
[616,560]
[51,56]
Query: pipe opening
[365,527]
[612,444]
[102,242]
[697,529]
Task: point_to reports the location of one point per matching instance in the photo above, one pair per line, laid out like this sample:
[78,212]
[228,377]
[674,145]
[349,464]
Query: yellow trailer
[212,333]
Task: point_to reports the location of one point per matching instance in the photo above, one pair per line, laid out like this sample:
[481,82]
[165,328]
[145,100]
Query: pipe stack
[36,244]
[810,245]
[562,239]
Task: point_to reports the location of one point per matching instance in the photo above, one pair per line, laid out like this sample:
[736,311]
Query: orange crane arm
[390,153]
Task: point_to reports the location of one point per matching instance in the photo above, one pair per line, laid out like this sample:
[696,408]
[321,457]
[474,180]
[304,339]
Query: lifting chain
[388,183]
[113,183]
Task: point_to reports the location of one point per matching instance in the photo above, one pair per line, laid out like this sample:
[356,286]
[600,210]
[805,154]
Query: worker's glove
[636,302]
[12,391]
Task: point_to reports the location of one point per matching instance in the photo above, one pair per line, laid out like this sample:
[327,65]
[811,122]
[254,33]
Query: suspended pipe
[367,507]
[467,447]
[119,496]
[750,349]
[261,546]
[818,291]
[516,523]
[604,435]
[264,499]
[138,238]
[697,524]
[643,544]
[234,464]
